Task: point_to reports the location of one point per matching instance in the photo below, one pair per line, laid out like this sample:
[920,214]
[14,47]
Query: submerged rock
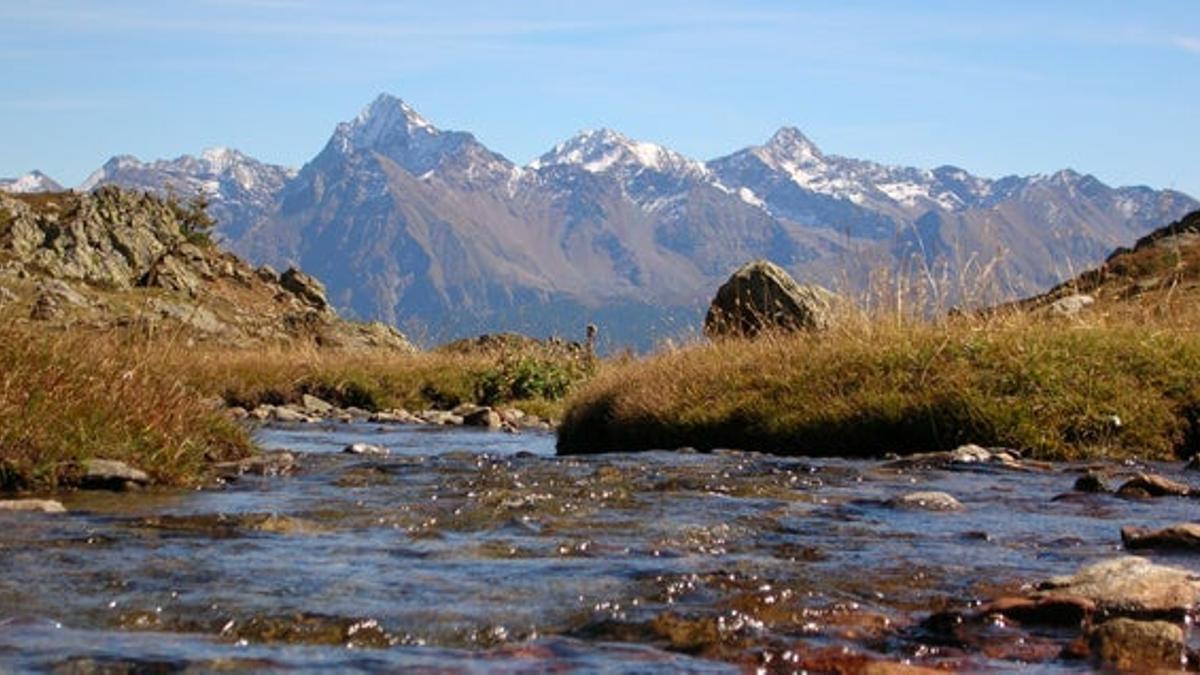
[107,474]
[929,501]
[760,296]
[1182,536]
[1141,646]
[34,505]
[964,456]
[277,463]
[365,449]
[1090,482]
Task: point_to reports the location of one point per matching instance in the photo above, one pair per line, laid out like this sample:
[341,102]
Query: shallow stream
[466,550]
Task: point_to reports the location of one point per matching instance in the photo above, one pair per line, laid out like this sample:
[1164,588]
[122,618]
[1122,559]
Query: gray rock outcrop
[760,297]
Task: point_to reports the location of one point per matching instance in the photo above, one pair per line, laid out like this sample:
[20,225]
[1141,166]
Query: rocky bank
[120,260]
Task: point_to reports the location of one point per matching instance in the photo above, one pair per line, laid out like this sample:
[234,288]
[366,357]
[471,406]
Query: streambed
[468,550]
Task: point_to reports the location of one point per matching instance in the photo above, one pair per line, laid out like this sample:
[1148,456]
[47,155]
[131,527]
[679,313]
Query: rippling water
[477,551]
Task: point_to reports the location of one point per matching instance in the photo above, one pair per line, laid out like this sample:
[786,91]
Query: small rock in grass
[316,405]
[365,449]
[1183,536]
[34,505]
[107,474]
[1129,645]
[929,501]
[286,414]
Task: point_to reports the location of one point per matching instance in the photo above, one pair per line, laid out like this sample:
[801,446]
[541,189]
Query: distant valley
[435,233]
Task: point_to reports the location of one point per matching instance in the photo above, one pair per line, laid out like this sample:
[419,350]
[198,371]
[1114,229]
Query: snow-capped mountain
[34,181]
[431,230]
[241,189]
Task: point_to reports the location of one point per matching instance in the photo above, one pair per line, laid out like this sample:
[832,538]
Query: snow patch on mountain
[34,181]
[608,151]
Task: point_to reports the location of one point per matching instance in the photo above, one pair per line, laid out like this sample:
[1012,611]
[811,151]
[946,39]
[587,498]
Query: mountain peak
[34,181]
[790,144]
[221,158]
[603,150]
[386,118]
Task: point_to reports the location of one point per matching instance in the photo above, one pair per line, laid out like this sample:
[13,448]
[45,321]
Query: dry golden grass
[68,397]
[64,399]
[1123,382]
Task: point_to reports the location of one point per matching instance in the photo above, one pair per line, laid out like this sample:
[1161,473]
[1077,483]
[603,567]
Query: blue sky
[1111,88]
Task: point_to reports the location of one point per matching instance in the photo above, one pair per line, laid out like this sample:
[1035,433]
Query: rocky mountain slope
[1160,273]
[118,260]
[430,230]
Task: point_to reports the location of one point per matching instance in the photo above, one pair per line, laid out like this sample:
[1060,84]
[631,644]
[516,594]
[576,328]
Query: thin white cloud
[1187,44]
[57,104]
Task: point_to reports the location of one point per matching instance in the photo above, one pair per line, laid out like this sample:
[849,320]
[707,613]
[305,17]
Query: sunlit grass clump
[1105,387]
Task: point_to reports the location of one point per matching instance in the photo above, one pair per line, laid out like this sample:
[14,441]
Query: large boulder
[761,296]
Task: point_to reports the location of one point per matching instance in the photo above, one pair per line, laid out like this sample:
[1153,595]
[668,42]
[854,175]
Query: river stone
[1182,536]
[761,296]
[1140,646]
[286,414]
[440,417]
[397,416]
[1153,485]
[365,449]
[108,474]
[1129,586]
[929,501]
[274,463]
[316,405]
[1090,482]
[36,505]
[484,417]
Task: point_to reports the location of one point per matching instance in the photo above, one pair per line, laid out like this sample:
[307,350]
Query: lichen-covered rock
[173,274]
[120,260]
[305,287]
[760,297]
[110,237]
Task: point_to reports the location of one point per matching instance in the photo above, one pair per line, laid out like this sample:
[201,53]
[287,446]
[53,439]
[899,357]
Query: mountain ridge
[432,231]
